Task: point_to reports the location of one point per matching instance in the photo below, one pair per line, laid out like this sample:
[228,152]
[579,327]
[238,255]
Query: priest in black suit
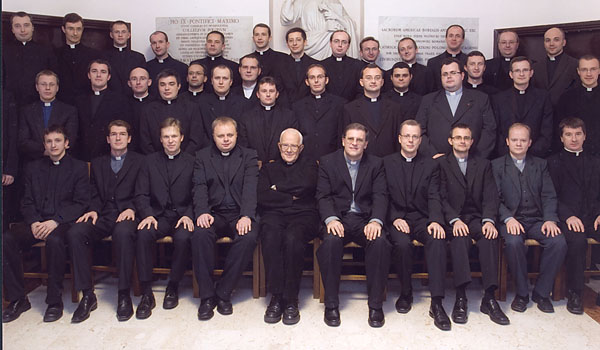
[576,177]
[352,201]
[261,126]
[415,213]
[525,104]
[10,159]
[73,60]
[289,220]
[441,110]
[170,105]
[470,202]
[250,70]
[37,116]
[111,212]
[475,68]
[498,68]
[291,71]
[196,78]
[122,58]
[455,37]
[56,193]
[215,45]
[343,71]
[23,58]
[319,115]
[583,101]
[401,77]
[225,178]
[381,116]
[268,58]
[557,71]
[163,200]
[139,82]
[159,43]
[96,108]
[423,80]
[528,210]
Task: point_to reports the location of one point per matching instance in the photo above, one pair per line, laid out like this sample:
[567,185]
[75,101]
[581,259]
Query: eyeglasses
[410,137]
[286,146]
[461,138]
[447,74]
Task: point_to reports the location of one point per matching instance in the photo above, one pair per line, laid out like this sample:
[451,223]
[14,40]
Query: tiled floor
[245,329]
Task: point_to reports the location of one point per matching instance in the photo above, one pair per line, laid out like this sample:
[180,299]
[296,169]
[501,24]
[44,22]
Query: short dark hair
[20,14]
[589,57]
[120,22]
[370,66]
[46,72]
[168,73]
[198,63]
[217,32]
[98,61]
[456,25]
[316,65]
[170,121]
[340,31]
[409,122]
[573,123]
[450,60]
[295,30]
[72,18]
[121,123]
[56,128]
[520,59]
[222,66]
[368,38]
[408,38]
[268,80]
[159,32]
[262,25]
[401,65]
[475,53]
[253,56]
[356,126]
[223,120]
[460,126]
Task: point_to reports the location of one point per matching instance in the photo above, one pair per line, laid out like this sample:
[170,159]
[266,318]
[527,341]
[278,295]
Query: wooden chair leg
[558,292]
[503,274]
[255,272]
[316,270]
[195,286]
[261,274]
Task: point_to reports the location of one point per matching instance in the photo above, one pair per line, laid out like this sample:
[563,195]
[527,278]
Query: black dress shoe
[376,318]
[87,304]
[459,312]
[544,304]
[490,307]
[574,303]
[171,299]
[124,307]
[144,309]
[291,314]
[274,310]
[15,309]
[224,307]
[519,304]
[440,318]
[332,317]
[54,312]
[404,303]
[205,311]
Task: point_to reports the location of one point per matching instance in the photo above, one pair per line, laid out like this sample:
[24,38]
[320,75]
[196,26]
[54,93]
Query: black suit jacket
[334,187]
[425,188]
[496,73]
[422,82]
[578,194]
[565,76]
[269,60]
[212,62]
[209,179]
[478,183]
[10,128]
[436,119]
[537,115]
[248,103]
[73,70]
[253,135]
[152,188]
[93,128]
[320,123]
[539,184]
[583,104]
[383,138]
[31,127]
[211,107]
[123,191]
[409,102]
[435,65]
[72,196]
[293,85]
[343,76]
[121,64]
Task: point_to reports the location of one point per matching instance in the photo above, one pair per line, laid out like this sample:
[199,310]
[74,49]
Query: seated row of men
[380,203]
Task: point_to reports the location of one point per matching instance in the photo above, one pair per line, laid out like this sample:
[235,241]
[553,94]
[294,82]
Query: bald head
[139,81]
[554,41]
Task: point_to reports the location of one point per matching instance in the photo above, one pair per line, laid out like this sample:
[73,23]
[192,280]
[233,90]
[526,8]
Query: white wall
[491,14]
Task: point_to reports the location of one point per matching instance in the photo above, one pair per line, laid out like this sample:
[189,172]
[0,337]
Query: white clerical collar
[576,153]
[461,160]
[298,59]
[47,104]
[507,59]
[120,48]
[410,65]
[261,52]
[212,58]
[72,46]
[56,162]
[453,93]
[141,99]
[222,98]
[474,86]
[589,89]
[173,156]
[195,93]
[225,154]
[454,55]
[553,58]
[522,92]
[24,43]
[97,93]
[519,161]
[401,93]
[374,99]
[409,159]
[317,96]
[169,101]
[339,59]
[162,60]
[268,108]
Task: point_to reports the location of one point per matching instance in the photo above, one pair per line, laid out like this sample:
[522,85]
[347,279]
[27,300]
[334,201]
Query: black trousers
[146,244]
[576,252]
[459,251]
[283,240]
[21,238]
[81,235]
[377,261]
[435,256]
[203,254]
[553,255]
